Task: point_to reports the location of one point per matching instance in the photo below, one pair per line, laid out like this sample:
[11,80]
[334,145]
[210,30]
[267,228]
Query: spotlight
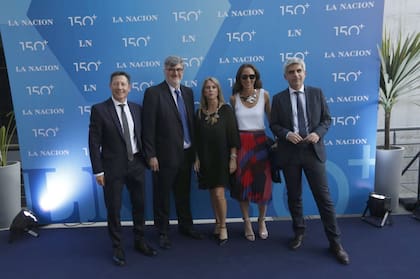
[379,208]
[25,221]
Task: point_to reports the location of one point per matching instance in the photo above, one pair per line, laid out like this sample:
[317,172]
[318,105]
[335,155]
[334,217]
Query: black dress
[214,142]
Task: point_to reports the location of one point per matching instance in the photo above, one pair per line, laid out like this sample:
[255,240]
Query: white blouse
[250,119]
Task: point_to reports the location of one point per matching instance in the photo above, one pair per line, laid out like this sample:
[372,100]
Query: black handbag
[272,156]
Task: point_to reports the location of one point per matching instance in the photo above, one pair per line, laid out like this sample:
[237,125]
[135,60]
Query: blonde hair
[203,99]
[220,98]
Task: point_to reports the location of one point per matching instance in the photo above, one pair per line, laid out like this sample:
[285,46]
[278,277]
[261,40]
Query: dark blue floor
[81,252]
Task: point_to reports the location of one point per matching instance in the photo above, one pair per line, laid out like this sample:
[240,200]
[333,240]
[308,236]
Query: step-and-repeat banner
[60,54]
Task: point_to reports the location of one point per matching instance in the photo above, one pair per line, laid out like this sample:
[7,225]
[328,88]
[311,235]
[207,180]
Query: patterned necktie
[183,115]
[301,116]
[126,133]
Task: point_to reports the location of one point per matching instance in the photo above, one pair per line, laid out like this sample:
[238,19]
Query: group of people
[225,145]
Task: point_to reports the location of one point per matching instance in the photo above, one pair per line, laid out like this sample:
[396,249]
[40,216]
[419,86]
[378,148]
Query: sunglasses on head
[251,77]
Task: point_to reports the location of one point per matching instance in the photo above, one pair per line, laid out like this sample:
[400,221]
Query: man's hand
[312,138]
[154,164]
[295,138]
[100,179]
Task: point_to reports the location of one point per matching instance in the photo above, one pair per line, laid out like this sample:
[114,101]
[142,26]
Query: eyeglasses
[251,77]
[178,70]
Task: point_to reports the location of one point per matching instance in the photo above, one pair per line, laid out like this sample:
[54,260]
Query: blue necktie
[126,133]
[301,116]
[183,115]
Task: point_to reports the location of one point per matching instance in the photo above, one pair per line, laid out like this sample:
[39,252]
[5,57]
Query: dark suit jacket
[281,122]
[106,141]
[163,136]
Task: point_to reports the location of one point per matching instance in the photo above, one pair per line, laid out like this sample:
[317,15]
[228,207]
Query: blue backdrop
[60,54]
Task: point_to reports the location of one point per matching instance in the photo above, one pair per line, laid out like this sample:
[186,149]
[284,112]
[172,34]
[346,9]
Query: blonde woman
[217,141]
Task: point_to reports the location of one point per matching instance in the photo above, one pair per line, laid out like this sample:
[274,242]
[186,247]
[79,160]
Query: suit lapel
[114,116]
[169,99]
[288,107]
[137,123]
[308,101]
[190,111]
[134,116]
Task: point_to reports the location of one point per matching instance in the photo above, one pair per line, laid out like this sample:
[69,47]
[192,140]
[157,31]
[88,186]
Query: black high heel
[216,231]
[223,236]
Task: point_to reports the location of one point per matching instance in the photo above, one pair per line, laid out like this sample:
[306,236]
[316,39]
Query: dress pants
[134,180]
[306,160]
[178,181]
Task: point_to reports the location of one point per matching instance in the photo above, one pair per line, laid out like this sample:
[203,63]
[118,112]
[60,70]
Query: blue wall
[60,54]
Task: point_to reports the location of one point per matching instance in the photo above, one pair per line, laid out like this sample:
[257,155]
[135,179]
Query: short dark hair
[120,73]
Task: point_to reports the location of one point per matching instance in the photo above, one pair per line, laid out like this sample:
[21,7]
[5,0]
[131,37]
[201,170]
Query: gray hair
[172,61]
[293,60]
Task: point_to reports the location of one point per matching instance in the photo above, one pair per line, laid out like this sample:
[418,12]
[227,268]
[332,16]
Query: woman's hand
[197,165]
[232,165]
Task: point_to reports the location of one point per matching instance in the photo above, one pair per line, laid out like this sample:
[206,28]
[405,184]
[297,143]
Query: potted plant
[10,180]
[399,77]
[6,136]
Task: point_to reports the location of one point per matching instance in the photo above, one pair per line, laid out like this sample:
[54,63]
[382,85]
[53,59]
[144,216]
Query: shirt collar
[116,103]
[291,90]
[173,88]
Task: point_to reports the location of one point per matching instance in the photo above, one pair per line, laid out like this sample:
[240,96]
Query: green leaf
[6,136]
[399,73]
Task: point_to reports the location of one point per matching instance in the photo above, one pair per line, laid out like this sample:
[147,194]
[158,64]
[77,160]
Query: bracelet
[233,155]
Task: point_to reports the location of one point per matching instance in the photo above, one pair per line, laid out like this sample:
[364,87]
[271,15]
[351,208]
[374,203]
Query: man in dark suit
[117,159]
[299,119]
[168,137]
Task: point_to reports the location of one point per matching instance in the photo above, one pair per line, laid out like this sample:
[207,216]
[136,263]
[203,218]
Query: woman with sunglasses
[252,182]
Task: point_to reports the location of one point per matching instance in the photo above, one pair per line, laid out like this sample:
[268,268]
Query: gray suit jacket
[281,122]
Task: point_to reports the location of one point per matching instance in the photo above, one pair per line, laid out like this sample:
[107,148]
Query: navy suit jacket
[281,122]
[107,147]
[163,136]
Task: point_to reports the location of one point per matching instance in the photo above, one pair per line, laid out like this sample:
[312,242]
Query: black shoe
[164,241]
[142,247]
[222,242]
[119,256]
[339,253]
[192,233]
[223,236]
[216,231]
[296,242]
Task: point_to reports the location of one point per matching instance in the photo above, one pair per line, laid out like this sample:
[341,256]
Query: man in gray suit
[168,137]
[299,119]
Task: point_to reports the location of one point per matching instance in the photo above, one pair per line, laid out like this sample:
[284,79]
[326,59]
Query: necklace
[249,99]
[212,117]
